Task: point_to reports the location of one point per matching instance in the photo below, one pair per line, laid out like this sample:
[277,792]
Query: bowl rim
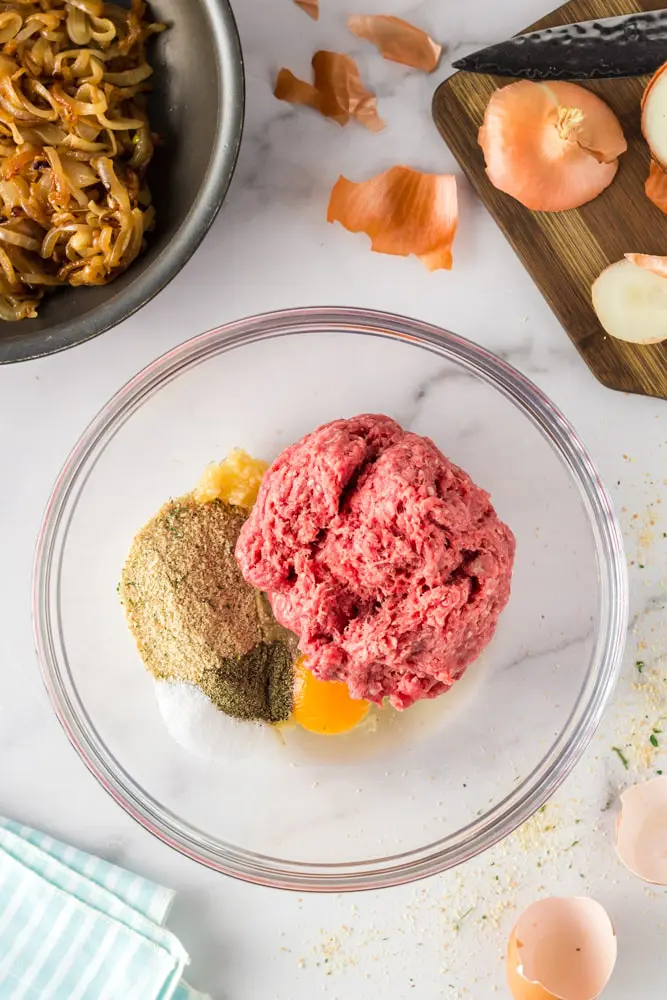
[506,815]
[175,255]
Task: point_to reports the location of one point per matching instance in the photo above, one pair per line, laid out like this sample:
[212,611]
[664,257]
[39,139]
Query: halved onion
[397,40]
[552,146]
[654,115]
[630,300]
[403,211]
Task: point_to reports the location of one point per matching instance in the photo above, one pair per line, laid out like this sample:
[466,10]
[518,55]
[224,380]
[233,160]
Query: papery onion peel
[657,265]
[656,186]
[295,91]
[337,91]
[397,40]
[311,7]
[403,211]
[551,146]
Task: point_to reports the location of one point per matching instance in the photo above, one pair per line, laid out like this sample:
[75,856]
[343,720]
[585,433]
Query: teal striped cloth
[75,927]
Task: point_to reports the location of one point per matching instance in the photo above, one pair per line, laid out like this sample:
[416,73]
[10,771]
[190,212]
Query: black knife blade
[631,45]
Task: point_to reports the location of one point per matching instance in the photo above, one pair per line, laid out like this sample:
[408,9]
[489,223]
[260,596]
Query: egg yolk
[324,706]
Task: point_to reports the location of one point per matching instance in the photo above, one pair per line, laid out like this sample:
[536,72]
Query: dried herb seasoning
[194,617]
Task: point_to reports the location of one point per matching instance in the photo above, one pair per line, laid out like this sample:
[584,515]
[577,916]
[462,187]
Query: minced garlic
[235,480]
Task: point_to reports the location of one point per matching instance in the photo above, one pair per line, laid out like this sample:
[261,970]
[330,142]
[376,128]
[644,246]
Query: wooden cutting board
[564,252]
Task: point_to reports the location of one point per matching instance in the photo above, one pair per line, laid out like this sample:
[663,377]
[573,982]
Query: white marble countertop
[271,248]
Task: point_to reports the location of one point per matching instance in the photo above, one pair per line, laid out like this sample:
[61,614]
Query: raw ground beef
[383,556]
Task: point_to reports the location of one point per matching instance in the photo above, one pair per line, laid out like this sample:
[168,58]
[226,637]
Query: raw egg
[324,706]
[641,835]
[561,949]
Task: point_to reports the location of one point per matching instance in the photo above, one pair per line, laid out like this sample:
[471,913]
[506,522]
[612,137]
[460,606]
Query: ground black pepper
[255,686]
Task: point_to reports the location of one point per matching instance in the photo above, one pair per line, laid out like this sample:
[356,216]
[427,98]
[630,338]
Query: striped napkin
[74,927]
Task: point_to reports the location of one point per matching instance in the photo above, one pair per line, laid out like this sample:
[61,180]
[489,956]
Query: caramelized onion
[78,27]
[75,144]
[17,239]
[129,77]
[102,30]
[10,25]
[7,267]
[104,168]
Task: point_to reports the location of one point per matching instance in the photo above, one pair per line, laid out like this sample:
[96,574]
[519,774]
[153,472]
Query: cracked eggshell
[641,832]
[561,949]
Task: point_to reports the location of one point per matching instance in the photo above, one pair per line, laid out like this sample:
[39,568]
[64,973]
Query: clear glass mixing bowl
[330,813]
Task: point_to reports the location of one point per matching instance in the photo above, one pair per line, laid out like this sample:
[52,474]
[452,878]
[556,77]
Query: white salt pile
[200,728]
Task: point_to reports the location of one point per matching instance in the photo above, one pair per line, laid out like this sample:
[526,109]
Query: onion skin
[657,265]
[656,186]
[403,211]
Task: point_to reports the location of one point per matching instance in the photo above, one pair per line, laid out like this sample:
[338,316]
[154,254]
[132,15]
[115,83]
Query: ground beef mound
[387,561]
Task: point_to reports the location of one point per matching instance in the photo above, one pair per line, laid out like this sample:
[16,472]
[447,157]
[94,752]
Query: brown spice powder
[194,617]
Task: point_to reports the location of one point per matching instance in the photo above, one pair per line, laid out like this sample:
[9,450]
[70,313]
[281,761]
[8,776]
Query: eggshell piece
[561,949]
[521,988]
[641,835]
